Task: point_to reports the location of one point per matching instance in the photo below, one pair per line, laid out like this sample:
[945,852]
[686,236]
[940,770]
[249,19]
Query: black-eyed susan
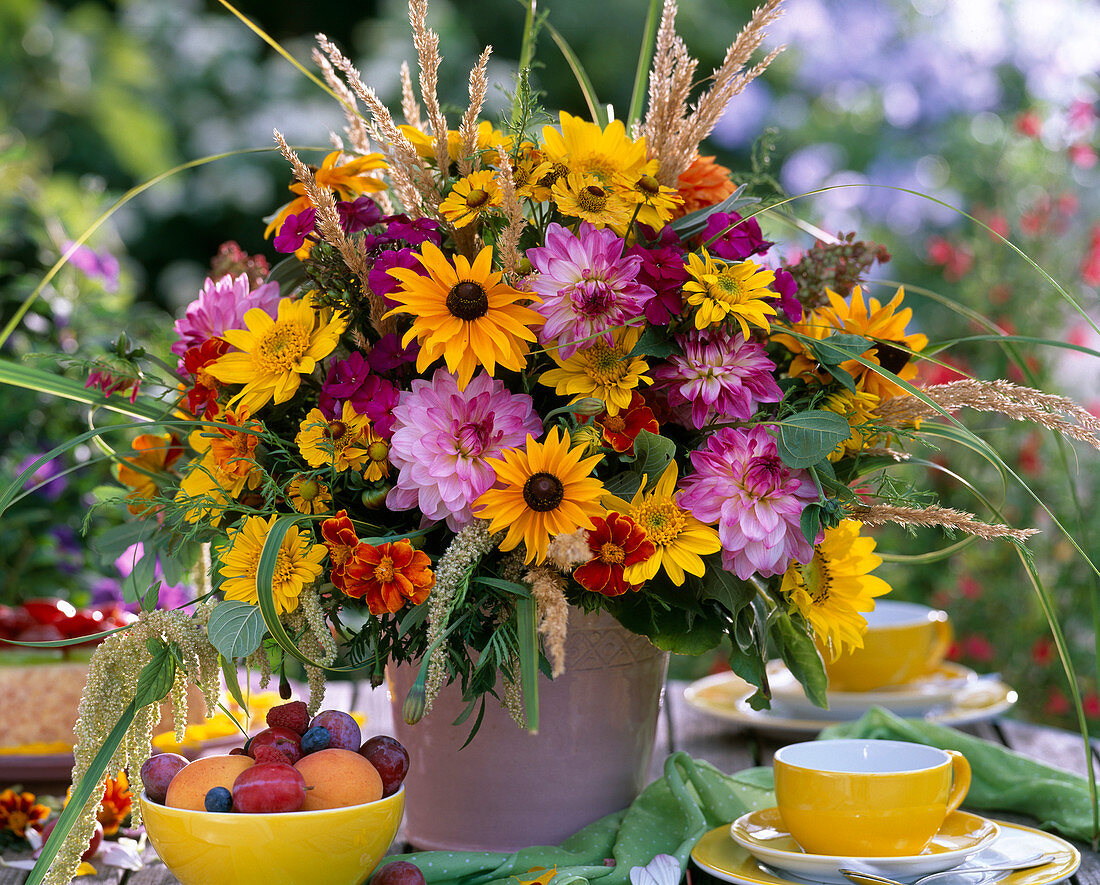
[680,540]
[584,196]
[297,565]
[529,167]
[307,494]
[471,197]
[464,313]
[340,443]
[720,292]
[377,463]
[604,371]
[883,323]
[835,587]
[273,354]
[657,203]
[541,490]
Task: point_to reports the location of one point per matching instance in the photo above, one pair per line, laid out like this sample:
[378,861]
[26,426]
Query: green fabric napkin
[669,817]
[1001,779]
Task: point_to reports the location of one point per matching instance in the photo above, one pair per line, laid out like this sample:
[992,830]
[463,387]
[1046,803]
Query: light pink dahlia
[718,374]
[756,499]
[588,287]
[222,305]
[444,437]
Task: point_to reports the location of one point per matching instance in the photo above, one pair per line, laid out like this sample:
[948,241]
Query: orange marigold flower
[389,575]
[339,536]
[19,812]
[156,453]
[234,451]
[620,430]
[202,396]
[702,184]
[616,542]
[117,799]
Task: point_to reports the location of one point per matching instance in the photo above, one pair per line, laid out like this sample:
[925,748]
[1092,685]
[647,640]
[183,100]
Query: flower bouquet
[503,371]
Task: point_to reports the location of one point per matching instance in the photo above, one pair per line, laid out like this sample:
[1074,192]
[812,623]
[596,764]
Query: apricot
[338,778]
[189,787]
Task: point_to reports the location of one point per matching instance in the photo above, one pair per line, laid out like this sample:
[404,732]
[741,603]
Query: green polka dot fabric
[1001,779]
[668,817]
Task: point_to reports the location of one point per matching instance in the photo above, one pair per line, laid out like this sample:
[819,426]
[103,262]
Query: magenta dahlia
[719,374]
[588,287]
[444,437]
[222,305]
[740,483]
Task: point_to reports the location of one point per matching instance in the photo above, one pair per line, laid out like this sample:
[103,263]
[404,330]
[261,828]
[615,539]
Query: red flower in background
[1029,124]
[956,260]
[1042,652]
[617,542]
[19,812]
[1056,704]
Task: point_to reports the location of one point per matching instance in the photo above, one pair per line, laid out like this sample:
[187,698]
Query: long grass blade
[528,646]
[40,381]
[597,110]
[645,61]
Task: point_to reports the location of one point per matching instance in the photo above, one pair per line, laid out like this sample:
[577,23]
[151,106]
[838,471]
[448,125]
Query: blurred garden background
[923,111]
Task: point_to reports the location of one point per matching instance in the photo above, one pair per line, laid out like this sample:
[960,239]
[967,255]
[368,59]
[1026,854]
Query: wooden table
[682,727]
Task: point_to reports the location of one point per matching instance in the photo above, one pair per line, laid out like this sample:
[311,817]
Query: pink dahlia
[222,305]
[757,501]
[444,437]
[588,287]
[718,374]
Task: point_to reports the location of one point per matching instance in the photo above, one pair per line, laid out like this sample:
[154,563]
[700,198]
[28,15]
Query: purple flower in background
[294,231]
[757,501]
[737,243]
[358,215]
[413,232]
[222,305]
[69,556]
[388,354]
[788,294]
[50,484]
[170,595]
[101,266]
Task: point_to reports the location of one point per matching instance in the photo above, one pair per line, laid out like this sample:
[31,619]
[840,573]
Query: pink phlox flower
[588,287]
[741,484]
[295,230]
[110,381]
[222,305]
[443,439]
[388,355]
[351,380]
[358,214]
[787,288]
[718,374]
[741,241]
[663,271]
[414,231]
[102,266]
[379,279]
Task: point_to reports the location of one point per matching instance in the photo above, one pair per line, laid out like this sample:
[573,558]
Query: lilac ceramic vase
[509,789]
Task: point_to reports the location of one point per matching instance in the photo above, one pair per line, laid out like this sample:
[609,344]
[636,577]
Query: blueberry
[218,799]
[316,738]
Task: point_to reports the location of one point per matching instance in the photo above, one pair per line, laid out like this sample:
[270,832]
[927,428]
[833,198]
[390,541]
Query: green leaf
[723,587]
[597,110]
[623,485]
[513,587]
[652,454]
[289,274]
[82,792]
[655,342]
[808,437]
[811,522]
[802,658]
[236,628]
[645,59]
[232,685]
[41,381]
[151,597]
[156,677]
[747,657]
[840,346]
[528,647]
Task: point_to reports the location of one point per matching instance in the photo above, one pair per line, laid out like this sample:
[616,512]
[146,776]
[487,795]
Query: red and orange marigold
[388,576]
[616,542]
[339,536]
[619,431]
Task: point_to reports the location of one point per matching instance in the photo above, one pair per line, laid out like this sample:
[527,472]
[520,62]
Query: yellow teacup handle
[960,779]
[942,640]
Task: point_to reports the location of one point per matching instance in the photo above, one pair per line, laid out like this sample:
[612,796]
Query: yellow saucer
[717,854]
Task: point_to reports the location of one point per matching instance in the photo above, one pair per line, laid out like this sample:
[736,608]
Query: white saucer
[917,697]
[763,835]
[726,695]
[717,854]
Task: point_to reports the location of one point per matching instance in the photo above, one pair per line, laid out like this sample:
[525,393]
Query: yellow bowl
[339,846]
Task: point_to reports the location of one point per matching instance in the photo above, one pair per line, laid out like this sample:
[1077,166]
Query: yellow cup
[867,798]
[903,641]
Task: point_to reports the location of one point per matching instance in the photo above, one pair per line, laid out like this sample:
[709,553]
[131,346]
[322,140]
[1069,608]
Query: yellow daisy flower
[541,490]
[464,313]
[586,148]
[471,197]
[880,322]
[604,371]
[681,539]
[339,444]
[585,197]
[529,168]
[722,291]
[658,204]
[857,409]
[377,464]
[307,494]
[490,142]
[272,355]
[833,588]
[297,566]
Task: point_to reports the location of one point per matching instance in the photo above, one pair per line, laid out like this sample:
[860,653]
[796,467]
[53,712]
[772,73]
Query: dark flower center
[647,184]
[477,198]
[467,301]
[337,429]
[891,358]
[543,492]
[592,198]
